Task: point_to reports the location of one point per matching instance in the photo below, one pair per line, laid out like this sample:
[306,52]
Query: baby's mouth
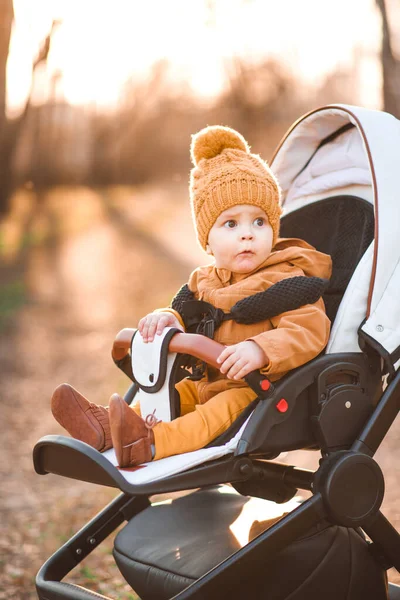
[246,253]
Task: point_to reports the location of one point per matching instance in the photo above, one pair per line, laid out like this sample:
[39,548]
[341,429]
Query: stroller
[338,168]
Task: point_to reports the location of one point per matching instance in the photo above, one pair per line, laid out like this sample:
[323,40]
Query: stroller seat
[336,404]
[155,547]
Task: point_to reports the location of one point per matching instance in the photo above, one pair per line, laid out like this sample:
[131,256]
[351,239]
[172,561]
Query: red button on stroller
[338,167]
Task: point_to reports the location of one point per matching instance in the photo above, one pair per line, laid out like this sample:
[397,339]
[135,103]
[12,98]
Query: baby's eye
[259,222]
[230,224]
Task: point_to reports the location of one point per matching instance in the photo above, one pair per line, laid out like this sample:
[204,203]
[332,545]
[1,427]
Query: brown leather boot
[131,435]
[82,419]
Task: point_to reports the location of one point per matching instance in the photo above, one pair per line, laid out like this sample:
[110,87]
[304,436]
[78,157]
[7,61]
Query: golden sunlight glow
[260,510]
[99,45]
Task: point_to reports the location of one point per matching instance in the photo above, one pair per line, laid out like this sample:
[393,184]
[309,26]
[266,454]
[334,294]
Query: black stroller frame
[337,404]
[352,469]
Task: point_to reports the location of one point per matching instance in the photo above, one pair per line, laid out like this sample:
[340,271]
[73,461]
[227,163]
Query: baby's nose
[247,235]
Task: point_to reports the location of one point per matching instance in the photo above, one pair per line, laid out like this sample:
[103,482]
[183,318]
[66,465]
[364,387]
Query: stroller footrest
[71,458]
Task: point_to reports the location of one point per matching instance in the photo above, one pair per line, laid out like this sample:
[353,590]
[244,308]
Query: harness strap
[183,295]
[285,295]
[204,318]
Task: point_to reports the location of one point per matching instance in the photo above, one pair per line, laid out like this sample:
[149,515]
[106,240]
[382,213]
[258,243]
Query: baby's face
[240,239]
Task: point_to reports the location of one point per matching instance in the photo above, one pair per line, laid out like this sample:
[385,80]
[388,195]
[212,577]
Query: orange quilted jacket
[289,339]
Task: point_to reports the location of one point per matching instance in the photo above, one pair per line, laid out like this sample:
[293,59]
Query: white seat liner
[159,469]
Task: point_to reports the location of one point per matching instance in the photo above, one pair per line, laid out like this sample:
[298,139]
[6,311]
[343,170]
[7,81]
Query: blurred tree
[390,65]
[123,144]
[261,100]
[10,128]
[6,20]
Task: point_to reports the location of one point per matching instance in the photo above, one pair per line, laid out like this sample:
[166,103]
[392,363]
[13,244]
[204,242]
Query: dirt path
[98,272]
[97,276]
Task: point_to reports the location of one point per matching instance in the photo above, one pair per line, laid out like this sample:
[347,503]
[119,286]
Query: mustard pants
[199,424]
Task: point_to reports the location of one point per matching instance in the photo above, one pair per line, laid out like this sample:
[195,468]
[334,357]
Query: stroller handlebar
[122,343]
[197,345]
[194,344]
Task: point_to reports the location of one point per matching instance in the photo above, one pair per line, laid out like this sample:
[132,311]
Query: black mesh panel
[342,226]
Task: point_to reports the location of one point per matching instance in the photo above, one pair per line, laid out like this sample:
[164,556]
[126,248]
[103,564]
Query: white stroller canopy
[366,157]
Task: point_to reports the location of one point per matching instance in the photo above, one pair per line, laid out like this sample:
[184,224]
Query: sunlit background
[116,87]
[97,46]
[99,99]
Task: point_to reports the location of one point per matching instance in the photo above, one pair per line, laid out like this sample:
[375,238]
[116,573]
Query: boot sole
[68,410]
[116,418]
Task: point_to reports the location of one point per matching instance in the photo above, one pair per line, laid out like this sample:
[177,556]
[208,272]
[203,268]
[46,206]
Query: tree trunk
[6,128]
[390,66]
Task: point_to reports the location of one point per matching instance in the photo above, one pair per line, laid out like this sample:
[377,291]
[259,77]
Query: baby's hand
[240,359]
[155,323]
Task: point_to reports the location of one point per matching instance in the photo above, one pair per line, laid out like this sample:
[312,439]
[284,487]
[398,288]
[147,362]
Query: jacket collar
[296,251]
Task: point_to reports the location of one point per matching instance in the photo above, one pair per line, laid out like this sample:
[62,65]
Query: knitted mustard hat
[226,174]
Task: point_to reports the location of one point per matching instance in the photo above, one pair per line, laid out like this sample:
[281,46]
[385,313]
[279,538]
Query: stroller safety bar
[194,344]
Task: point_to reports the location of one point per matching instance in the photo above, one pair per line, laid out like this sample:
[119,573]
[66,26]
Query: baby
[235,200]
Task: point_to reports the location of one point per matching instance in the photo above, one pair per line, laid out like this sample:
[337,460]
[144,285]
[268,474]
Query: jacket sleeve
[298,336]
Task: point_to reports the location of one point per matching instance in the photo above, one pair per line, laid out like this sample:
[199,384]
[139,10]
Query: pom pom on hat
[211,141]
[221,179]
